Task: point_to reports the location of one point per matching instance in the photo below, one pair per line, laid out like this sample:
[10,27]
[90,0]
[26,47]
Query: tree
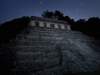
[47,14]
[93,27]
[69,20]
[58,15]
[79,25]
[9,30]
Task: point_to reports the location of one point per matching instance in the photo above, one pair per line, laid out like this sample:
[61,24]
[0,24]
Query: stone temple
[49,23]
[50,47]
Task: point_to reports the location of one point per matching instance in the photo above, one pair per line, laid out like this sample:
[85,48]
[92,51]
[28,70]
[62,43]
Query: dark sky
[74,8]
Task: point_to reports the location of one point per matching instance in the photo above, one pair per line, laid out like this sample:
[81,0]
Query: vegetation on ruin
[90,27]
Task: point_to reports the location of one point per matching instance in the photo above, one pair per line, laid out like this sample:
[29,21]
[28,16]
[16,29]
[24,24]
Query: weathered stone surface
[50,52]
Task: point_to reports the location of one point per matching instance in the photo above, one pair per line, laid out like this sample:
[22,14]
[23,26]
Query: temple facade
[49,47]
[49,23]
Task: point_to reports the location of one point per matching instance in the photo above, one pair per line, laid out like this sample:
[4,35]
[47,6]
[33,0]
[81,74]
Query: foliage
[10,29]
[57,15]
[47,14]
[90,27]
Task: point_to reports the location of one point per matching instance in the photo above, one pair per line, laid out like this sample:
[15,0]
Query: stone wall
[45,51]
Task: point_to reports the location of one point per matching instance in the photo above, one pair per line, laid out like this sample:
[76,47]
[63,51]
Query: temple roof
[48,20]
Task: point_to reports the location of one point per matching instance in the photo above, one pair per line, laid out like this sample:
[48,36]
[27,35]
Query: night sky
[76,9]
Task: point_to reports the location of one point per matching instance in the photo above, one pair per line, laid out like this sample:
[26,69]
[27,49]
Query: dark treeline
[89,27]
[9,30]
[57,15]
